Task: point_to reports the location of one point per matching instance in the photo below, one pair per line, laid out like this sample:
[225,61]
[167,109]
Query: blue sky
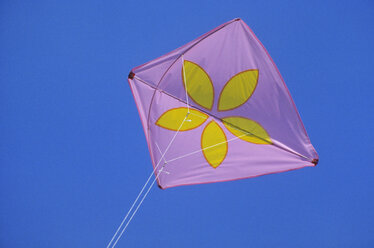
[73,152]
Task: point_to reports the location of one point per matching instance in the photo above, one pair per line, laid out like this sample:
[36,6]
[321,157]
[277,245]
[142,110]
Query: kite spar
[215,110]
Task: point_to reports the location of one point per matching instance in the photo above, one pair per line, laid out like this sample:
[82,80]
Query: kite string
[145,185]
[140,203]
[160,152]
[132,206]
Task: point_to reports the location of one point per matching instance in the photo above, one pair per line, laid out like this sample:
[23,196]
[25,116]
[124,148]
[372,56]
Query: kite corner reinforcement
[131,75]
[315,161]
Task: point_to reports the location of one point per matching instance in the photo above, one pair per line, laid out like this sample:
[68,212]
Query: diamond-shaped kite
[217,109]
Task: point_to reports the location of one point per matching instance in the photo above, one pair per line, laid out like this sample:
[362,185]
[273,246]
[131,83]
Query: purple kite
[217,109]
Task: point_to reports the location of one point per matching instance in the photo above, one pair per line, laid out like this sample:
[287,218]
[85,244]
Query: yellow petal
[247,130]
[214,144]
[238,90]
[173,118]
[198,83]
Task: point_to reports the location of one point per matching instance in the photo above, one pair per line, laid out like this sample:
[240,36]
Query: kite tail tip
[315,161]
[131,75]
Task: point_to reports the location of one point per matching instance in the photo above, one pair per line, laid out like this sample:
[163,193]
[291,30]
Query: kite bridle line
[165,162]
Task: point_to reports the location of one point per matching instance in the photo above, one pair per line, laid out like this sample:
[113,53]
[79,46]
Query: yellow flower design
[235,93]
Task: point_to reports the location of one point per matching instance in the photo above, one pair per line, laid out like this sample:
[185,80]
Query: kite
[217,109]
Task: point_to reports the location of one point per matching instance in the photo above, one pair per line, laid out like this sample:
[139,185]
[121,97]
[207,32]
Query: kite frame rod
[274,143]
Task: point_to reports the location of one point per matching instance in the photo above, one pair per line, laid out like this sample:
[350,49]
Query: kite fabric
[217,109]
